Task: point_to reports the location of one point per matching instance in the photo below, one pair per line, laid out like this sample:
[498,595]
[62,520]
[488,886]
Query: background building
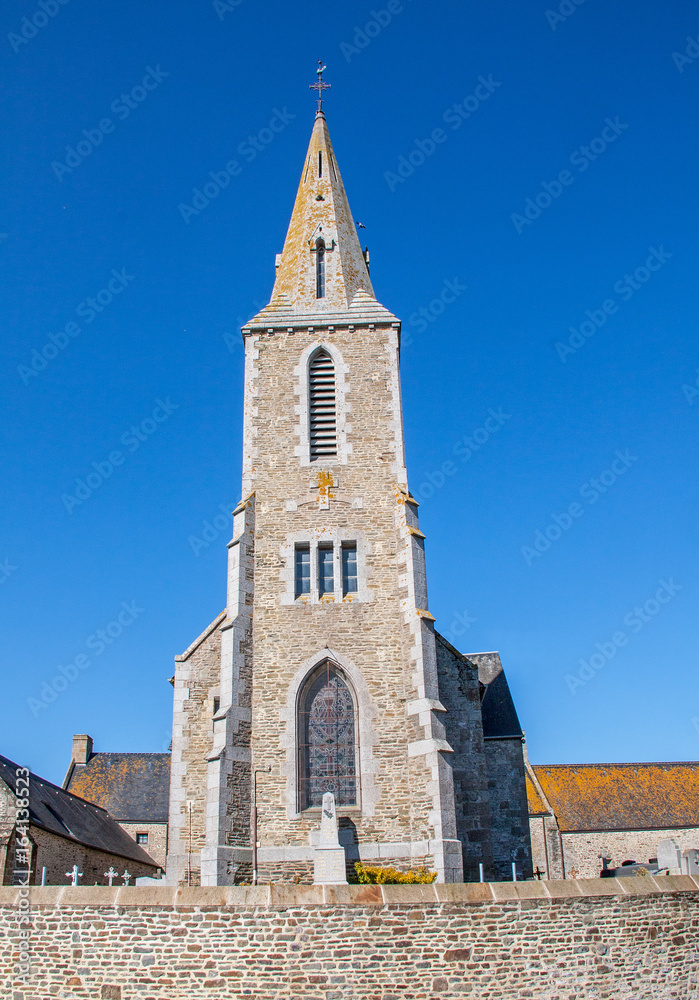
[132,787]
[579,813]
[64,830]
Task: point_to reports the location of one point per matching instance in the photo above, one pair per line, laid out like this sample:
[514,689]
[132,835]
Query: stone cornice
[287,895]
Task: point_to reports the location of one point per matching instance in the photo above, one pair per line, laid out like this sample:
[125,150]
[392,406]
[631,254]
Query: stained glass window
[327,757]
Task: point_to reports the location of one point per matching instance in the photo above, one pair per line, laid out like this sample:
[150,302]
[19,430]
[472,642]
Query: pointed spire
[322,267]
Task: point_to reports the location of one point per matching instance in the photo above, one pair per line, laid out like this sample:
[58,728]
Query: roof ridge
[58,788]
[630,763]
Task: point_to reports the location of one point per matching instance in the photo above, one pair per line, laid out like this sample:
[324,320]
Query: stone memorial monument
[690,861]
[669,855]
[329,857]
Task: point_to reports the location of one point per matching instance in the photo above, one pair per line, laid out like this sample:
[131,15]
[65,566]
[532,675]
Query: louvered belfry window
[322,407]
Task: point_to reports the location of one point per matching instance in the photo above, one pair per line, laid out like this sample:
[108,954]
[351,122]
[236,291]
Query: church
[325,672]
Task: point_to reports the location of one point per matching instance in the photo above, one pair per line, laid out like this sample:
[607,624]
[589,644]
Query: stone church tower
[325,673]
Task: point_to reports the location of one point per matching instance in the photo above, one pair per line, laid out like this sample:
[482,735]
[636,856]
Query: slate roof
[586,797]
[132,787]
[500,719]
[58,811]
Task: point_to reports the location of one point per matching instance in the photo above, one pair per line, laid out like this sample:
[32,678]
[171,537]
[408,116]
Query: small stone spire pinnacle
[320,86]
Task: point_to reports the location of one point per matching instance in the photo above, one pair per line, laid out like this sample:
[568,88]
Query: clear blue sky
[171,333]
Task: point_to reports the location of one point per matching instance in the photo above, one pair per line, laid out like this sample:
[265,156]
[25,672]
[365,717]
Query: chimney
[82,749]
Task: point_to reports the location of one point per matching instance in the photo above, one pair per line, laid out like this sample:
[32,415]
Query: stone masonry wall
[8,812]
[157,839]
[546,848]
[609,939]
[197,680]
[459,693]
[302,872]
[508,807]
[295,500]
[58,855]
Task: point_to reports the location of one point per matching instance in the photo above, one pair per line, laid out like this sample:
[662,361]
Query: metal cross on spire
[320,86]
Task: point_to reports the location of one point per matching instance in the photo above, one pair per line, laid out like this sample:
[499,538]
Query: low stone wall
[630,938]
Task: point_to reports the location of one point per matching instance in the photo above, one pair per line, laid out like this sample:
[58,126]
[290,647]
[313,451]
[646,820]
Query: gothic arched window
[326,733]
[321,406]
[320,269]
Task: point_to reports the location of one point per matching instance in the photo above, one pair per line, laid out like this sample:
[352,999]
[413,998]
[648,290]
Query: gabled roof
[536,804]
[200,638]
[59,811]
[498,712]
[132,787]
[586,797]
[500,719]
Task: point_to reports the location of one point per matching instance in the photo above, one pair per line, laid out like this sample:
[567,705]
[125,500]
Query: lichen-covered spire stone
[322,266]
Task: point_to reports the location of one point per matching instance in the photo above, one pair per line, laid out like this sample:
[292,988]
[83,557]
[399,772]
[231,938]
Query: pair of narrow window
[325,577]
[320,166]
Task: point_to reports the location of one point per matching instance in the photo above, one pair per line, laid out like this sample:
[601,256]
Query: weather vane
[320,86]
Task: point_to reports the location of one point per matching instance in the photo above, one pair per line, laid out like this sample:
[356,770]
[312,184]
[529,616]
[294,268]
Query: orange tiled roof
[534,800]
[621,796]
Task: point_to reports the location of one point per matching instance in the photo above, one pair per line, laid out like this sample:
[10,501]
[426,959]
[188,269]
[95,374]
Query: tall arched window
[321,406]
[326,733]
[320,269]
